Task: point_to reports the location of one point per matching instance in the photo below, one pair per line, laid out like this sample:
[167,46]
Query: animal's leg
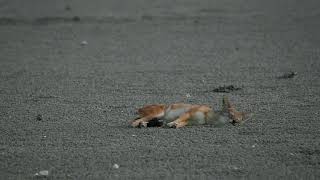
[131,121]
[142,121]
[181,121]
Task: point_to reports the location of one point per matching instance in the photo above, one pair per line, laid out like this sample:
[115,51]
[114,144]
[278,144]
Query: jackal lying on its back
[180,115]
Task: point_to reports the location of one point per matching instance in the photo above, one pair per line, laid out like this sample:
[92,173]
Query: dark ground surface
[143,52]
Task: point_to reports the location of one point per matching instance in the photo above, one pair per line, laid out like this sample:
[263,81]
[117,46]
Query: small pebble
[67,8]
[76,18]
[253,146]
[42,173]
[288,75]
[39,117]
[116,166]
[133,135]
[235,168]
[84,43]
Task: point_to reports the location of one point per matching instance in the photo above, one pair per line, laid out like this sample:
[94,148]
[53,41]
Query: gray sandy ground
[143,52]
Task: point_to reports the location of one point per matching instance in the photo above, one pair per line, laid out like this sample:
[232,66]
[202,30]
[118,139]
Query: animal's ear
[226,105]
[231,111]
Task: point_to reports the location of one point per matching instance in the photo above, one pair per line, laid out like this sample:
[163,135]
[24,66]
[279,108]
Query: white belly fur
[171,115]
[197,119]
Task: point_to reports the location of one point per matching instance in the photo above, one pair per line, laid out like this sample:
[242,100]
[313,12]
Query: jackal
[180,115]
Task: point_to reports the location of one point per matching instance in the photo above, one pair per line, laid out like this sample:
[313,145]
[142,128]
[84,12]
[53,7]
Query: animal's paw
[143,124]
[135,123]
[139,123]
[172,125]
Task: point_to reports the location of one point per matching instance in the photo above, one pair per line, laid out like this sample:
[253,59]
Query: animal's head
[234,115]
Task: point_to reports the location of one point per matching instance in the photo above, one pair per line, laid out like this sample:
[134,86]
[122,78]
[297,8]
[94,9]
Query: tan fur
[151,109]
[180,115]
